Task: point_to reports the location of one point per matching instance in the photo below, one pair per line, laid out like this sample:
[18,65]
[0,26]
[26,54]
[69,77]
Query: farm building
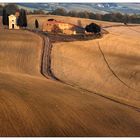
[13,21]
[61,27]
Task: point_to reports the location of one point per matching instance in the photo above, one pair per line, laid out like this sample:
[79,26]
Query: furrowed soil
[89,101]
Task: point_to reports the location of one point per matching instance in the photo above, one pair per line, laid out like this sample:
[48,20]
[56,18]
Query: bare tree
[79,23]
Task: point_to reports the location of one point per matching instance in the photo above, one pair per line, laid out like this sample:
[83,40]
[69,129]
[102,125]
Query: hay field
[74,20]
[14,46]
[32,105]
[108,66]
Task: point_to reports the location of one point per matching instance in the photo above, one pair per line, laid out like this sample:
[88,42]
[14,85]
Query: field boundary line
[112,69]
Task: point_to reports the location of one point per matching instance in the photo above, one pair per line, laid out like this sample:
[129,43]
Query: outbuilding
[13,22]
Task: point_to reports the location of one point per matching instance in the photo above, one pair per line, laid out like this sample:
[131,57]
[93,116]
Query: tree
[22,19]
[84,14]
[1,6]
[92,15]
[113,17]
[119,17]
[60,11]
[107,17]
[1,10]
[125,19]
[5,19]
[98,16]
[38,12]
[4,16]
[11,8]
[93,28]
[72,13]
[36,24]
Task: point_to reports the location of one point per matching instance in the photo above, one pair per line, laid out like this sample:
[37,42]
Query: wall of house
[69,32]
[47,27]
[13,21]
[65,27]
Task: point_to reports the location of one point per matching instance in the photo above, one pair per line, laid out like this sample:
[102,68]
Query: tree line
[12,9]
[113,17]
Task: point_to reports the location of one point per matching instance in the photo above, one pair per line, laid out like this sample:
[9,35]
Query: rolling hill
[104,66]
[87,101]
[102,8]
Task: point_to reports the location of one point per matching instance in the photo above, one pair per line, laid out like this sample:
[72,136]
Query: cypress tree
[4,16]
[7,19]
[20,20]
[24,18]
[93,28]
[11,8]
[36,24]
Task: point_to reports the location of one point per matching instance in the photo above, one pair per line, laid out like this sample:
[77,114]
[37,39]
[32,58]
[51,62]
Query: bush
[93,28]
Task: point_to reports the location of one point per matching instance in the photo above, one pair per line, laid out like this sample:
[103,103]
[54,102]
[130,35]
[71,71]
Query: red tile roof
[57,22]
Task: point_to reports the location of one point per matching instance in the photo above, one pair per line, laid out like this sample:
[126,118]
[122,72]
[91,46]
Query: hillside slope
[74,20]
[107,66]
[101,8]
[32,105]
[21,56]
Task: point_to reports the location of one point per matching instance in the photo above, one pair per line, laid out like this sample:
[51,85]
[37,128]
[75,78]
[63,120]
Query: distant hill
[102,8]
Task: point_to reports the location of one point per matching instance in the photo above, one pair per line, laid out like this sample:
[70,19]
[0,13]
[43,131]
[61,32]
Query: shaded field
[32,105]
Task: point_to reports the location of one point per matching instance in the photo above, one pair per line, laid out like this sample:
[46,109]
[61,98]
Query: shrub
[93,28]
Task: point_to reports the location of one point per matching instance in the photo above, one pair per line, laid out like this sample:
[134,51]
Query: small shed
[13,22]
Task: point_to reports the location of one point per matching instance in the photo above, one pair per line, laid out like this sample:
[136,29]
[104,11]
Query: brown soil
[108,66]
[32,105]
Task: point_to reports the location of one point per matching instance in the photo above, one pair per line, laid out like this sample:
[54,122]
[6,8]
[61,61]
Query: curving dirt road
[33,105]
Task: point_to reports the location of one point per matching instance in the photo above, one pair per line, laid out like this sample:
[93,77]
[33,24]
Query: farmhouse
[61,27]
[13,21]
